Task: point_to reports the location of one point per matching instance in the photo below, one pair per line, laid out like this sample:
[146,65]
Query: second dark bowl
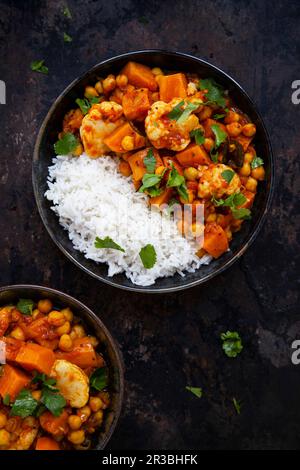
[44,153]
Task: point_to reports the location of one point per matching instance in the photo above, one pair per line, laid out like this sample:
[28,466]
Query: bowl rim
[113,344]
[252,235]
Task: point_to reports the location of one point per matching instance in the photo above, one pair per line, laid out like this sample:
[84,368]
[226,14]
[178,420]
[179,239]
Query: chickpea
[248,157]
[105,398]
[12,424]
[84,413]
[211,217]
[94,341]
[191,174]
[56,318]
[249,130]
[109,84]
[74,422]
[155,96]
[205,113]
[245,170]
[73,334]
[236,225]
[124,168]
[117,96]
[65,342]
[158,78]
[208,143]
[99,87]
[36,394]
[18,333]
[258,173]
[95,403]
[159,170]
[3,419]
[45,306]
[228,233]
[35,313]
[4,438]
[251,184]
[80,332]
[234,129]
[98,418]
[67,313]
[231,116]
[78,150]
[90,92]
[128,142]
[121,81]
[157,71]
[76,437]
[30,422]
[64,329]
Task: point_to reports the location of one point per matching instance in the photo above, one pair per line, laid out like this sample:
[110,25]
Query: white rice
[91,198]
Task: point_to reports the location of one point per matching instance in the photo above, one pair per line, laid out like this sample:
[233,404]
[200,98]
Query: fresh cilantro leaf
[217,202]
[221,136]
[256,162]
[86,103]
[53,401]
[198,135]
[66,144]
[24,404]
[237,405]
[214,155]
[232,343]
[153,192]
[182,191]
[67,38]
[195,390]
[149,180]
[227,175]
[47,382]
[218,116]
[215,93]
[6,399]
[38,66]
[242,213]
[40,409]
[148,256]
[237,199]
[171,205]
[107,242]
[176,111]
[174,178]
[25,306]
[143,20]
[67,13]
[99,379]
[190,107]
[150,162]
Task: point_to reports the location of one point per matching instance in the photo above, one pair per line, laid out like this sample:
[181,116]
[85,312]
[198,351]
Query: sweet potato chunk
[55,425]
[114,140]
[193,155]
[12,347]
[82,354]
[215,240]
[46,443]
[163,198]
[136,104]
[136,162]
[12,381]
[140,75]
[172,86]
[32,356]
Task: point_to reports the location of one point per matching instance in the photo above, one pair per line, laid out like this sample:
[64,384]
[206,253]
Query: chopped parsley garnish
[176,111]
[218,116]
[233,202]
[150,162]
[47,382]
[86,103]
[220,135]
[99,379]
[190,107]
[148,256]
[107,242]
[197,391]
[198,135]
[53,401]
[237,405]
[66,144]
[67,13]
[227,175]
[232,343]
[214,93]
[24,404]
[256,162]
[175,180]
[38,66]
[25,306]
[67,38]
[149,180]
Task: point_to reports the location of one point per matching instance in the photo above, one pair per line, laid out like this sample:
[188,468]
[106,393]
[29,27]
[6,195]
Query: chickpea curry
[180,138]
[53,384]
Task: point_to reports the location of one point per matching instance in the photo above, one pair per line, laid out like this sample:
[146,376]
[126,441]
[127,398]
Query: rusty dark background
[170,341]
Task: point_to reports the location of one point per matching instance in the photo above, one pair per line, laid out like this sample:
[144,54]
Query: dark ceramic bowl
[44,153]
[95,326]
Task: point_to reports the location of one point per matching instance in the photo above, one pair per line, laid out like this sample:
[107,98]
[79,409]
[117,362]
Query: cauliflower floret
[72,382]
[164,132]
[101,120]
[212,182]
[191,88]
